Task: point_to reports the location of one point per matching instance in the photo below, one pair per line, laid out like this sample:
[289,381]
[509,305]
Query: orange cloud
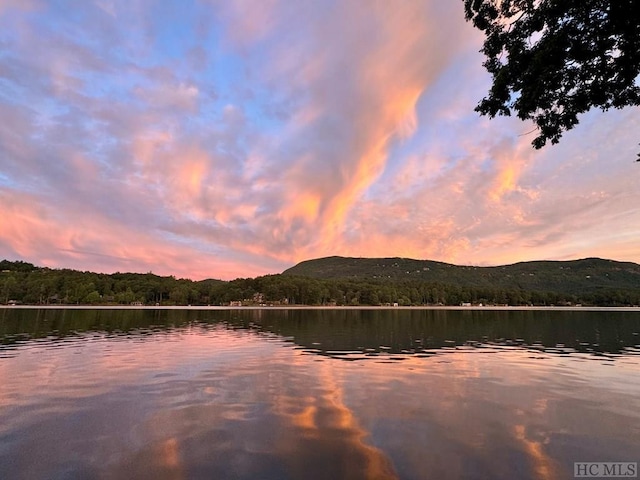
[392,60]
[30,229]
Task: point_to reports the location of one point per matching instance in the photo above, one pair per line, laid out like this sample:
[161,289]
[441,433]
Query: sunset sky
[224,139]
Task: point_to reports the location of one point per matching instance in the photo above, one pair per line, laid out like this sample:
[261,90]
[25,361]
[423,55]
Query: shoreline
[323,307]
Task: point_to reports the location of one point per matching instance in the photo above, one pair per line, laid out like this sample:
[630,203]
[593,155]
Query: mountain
[588,275]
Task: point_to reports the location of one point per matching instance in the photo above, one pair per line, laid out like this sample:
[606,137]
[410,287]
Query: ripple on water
[225,401]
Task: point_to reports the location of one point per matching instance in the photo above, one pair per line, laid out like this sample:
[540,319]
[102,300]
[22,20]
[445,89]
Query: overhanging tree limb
[552,60]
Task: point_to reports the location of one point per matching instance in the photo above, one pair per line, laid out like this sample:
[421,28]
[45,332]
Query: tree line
[24,283]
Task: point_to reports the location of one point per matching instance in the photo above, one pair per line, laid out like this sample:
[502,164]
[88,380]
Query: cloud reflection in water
[269,395]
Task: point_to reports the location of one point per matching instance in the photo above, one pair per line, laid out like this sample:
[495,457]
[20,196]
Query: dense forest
[575,277]
[24,283]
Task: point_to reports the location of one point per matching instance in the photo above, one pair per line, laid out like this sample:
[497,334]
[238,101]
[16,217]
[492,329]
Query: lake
[316,393]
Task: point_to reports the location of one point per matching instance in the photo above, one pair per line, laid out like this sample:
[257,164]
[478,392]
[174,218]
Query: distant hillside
[588,275]
[338,281]
[25,283]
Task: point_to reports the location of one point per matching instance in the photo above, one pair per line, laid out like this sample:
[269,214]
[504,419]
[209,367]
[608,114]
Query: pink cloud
[7,5]
[505,203]
[362,72]
[64,239]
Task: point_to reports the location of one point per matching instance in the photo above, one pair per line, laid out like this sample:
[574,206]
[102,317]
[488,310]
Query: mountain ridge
[577,276]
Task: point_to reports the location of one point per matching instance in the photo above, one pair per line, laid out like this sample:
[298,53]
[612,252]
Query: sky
[225,139]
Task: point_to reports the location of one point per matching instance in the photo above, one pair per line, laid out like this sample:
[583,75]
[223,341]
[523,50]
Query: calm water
[305,394]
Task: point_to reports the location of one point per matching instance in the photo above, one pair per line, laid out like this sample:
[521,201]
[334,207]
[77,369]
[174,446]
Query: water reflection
[268,394]
[353,334]
[405,332]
